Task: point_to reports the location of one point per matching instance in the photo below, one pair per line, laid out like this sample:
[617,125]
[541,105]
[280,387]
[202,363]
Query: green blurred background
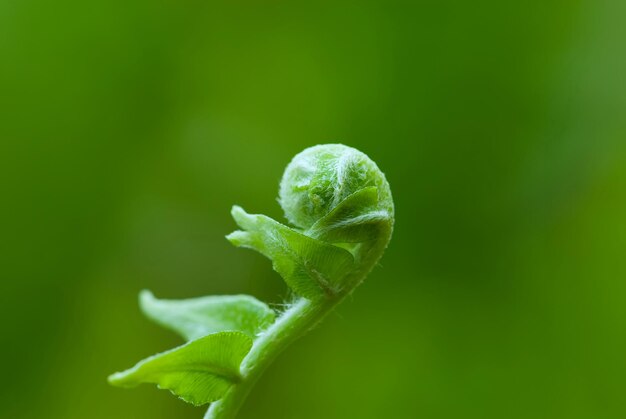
[129,128]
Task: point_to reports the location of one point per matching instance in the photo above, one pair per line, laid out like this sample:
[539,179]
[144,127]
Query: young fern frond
[342,213]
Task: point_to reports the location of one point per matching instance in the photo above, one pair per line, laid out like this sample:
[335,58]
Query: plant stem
[291,325]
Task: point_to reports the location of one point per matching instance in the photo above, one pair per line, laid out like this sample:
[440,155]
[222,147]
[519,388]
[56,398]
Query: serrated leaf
[353,220]
[198,372]
[196,317]
[311,268]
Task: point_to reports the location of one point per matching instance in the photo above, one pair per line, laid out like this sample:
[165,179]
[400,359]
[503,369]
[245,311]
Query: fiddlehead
[342,213]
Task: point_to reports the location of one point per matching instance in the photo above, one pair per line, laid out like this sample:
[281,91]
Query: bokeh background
[129,128]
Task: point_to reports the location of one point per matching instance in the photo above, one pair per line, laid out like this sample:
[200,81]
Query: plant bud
[319,178]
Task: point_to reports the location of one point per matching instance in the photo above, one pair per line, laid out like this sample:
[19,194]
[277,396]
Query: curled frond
[340,203]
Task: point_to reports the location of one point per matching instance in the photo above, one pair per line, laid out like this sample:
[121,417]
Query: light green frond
[196,317]
[198,372]
[312,268]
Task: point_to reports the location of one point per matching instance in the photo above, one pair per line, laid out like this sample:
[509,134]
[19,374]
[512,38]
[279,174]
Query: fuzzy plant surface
[341,213]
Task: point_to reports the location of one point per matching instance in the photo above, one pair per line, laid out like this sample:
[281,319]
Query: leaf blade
[199,372]
[197,317]
[310,267]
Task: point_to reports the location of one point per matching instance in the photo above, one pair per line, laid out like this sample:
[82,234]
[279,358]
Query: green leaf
[198,372]
[197,317]
[353,220]
[312,268]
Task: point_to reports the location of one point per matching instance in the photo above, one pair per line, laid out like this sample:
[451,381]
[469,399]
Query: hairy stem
[291,325]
